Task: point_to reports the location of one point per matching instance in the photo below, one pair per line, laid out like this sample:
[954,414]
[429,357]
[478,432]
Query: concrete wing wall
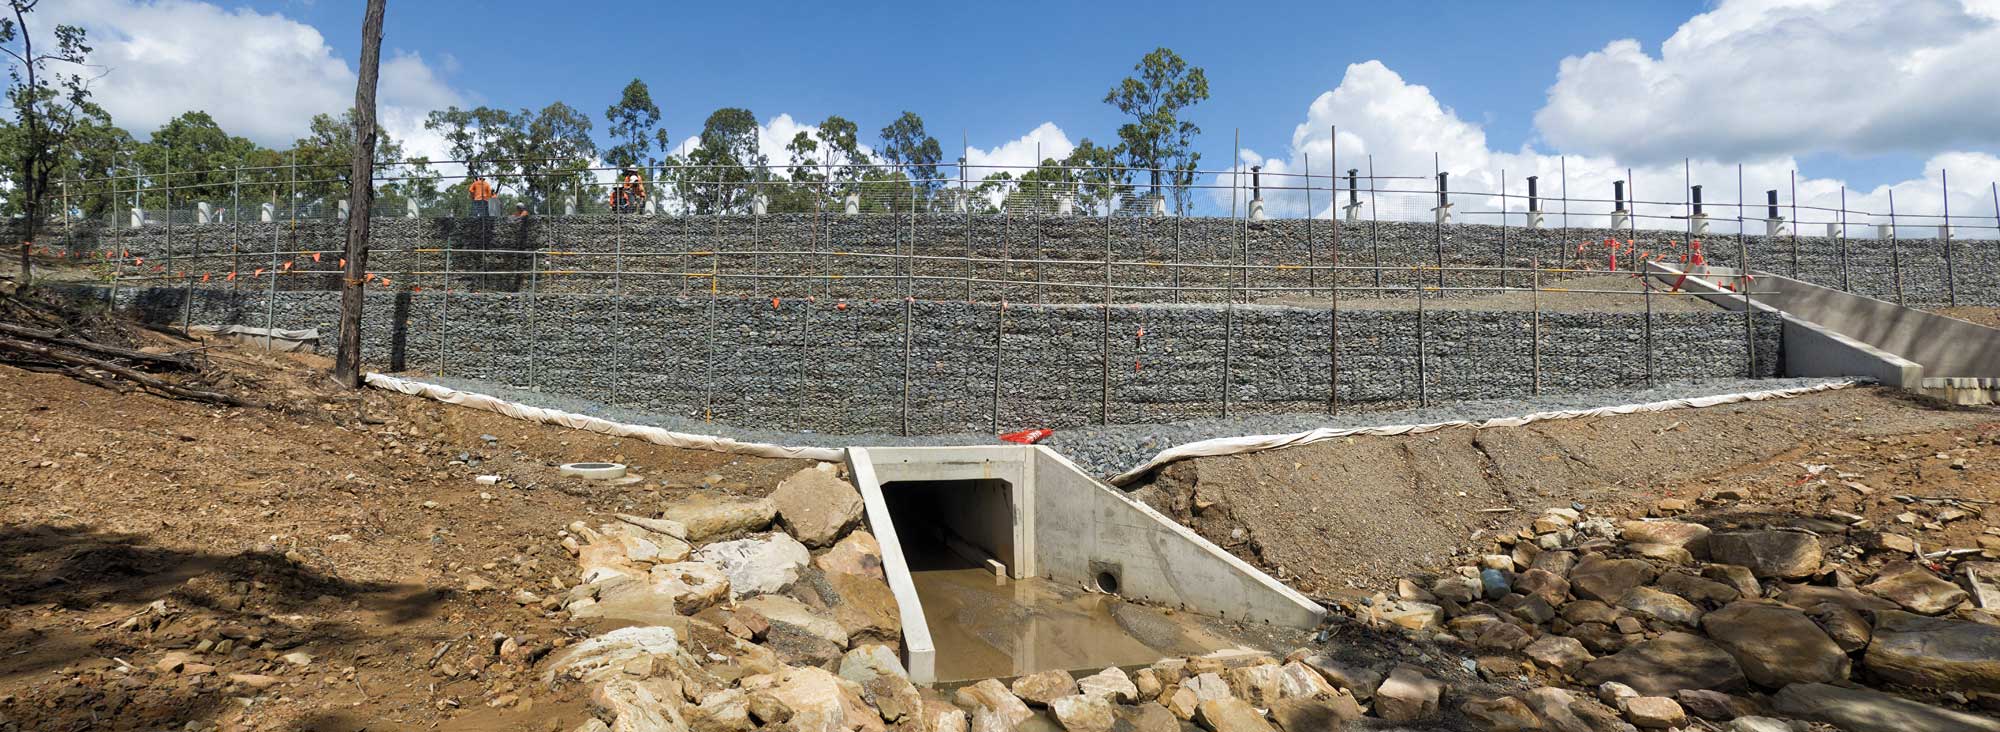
[1945,346]
[1084,528]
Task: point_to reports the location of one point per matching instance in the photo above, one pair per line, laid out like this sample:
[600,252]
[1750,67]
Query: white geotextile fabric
[588,423]
[1255,443]
[1203,448]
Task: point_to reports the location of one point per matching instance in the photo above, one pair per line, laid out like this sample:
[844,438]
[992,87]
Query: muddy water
[984,628]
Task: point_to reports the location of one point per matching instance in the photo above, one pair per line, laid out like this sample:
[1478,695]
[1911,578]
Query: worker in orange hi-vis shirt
[482,195]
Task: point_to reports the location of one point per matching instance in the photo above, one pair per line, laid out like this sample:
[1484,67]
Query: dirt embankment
[347,530]
[1357,513]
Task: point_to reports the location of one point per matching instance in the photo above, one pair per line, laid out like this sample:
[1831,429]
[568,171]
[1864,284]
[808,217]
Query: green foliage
[50,105]
[724,163]
[1157,139]
[905,144]
[632,123]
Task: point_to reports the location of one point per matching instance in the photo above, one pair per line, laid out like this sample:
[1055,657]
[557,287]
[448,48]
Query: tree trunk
[347,361]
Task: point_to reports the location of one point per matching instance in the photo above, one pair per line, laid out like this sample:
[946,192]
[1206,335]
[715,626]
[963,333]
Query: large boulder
[859,553]
[1784,554]
[1307,714]
[1866,710]
[816,505]
[1776,644]
[1662,606]
[865,607]
[1408,695]
[1041,688]
[1111,683]
[1936,653]
[606,656]
[1914,588]
[1607,580]
[786,613]
[992,699]
[1691,537]
[706,516]
[823,702]
[758,566]
[1504,714]
[1559,653]
[1669,663]
[689,586]
[1806,596]
[1230,715]
[884,685]
[1079,713]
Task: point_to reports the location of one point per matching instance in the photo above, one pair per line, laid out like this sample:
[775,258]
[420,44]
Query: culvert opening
[987,624]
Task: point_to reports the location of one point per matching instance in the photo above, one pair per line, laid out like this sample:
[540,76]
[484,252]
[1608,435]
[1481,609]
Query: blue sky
[990,71]
[1848,93]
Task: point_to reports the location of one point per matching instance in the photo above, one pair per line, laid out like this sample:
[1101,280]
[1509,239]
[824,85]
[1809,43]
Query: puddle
[986,629]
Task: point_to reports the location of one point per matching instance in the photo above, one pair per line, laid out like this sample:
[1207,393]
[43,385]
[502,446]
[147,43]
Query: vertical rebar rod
[708,380]
[965,158]
[1423,385]
[169,175]
[1104,332]
[1646,281]
[1842,243]
[1312,254]
[1687,199]
[1895,250]
[1632,219]
[444,317]
[1333,337]
[271,302]
[999,356]
[235,226]
[1437,224]
[1743,280]
[1535,326]
[1503,228]
[909,303]
[1236,153]
[534,289]
[1944,232]
[1374,228]
[1228,346]
[1562,251]
[1795,224]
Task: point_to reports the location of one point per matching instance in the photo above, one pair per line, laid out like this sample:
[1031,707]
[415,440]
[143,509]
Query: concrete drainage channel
[983,547]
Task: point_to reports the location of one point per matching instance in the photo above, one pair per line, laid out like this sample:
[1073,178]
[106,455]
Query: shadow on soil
[65,592]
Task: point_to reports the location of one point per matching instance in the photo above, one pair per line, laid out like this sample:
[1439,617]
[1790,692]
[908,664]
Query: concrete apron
[1035,517]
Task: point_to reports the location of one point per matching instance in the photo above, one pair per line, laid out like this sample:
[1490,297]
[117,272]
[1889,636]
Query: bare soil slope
[1359,512]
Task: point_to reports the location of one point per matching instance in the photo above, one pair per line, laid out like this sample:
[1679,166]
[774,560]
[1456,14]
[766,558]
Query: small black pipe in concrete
[1444,190]
[1353,190]
[1534,204]
[1695,193]
[1617,196]
[1771,204]
[1256,182]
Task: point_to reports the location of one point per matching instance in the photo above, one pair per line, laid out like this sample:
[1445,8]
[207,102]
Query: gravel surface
[1109,450]
[1558,296]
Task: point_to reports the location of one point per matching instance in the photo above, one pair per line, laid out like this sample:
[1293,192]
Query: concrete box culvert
[937,510]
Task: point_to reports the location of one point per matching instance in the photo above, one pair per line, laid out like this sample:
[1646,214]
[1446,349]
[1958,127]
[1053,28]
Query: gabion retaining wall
[1077,246]
[949,366]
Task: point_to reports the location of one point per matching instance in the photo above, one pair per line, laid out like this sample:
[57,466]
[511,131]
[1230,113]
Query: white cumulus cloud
[1757,78]
[260,75]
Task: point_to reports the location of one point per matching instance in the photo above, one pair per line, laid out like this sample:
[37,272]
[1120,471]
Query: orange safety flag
[258,273]
[385,282]
[204,276]
[140,262]
[840,306]
[343,263]
[774,303]
[287,266]
[315,256]
[1028,437]
[230,278]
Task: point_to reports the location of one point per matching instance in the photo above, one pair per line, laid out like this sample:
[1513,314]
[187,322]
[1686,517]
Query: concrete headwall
[799,248]
[862,366]
[1947,347]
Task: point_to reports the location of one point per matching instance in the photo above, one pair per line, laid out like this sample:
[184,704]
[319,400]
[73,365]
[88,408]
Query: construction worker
[482,193]
[520,211]
[630,194]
